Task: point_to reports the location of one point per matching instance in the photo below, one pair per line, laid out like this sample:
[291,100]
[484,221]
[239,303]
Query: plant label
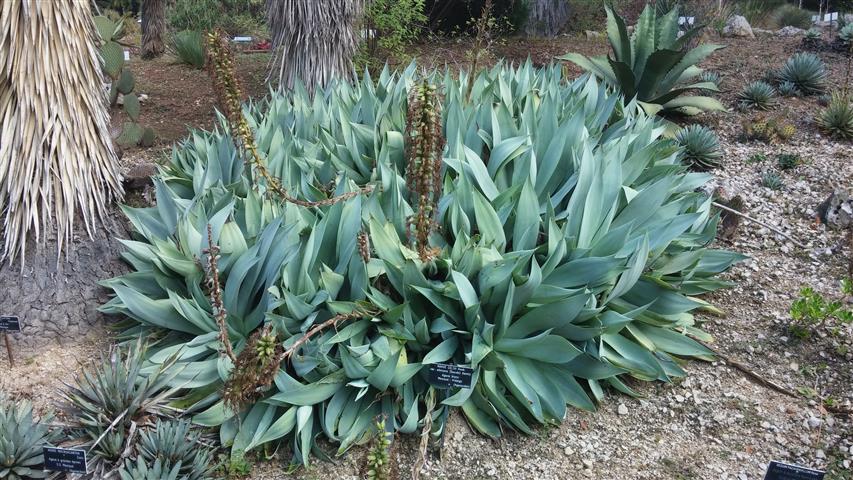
[445,375]
[64,460]
[784,471]
[10,324]
[242,39]
[127,55]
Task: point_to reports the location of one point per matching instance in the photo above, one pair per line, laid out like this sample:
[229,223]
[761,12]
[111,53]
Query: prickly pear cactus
[123,82]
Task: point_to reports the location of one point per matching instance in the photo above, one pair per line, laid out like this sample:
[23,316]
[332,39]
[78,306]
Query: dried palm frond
[314,40]
[56,157]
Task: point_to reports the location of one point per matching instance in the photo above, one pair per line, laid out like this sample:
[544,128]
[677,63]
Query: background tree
[153,27]
[57,162]
[314,40]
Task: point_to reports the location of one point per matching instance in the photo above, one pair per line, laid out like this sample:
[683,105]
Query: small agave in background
[701,147]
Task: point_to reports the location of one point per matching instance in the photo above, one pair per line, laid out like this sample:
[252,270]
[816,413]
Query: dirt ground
[717,423]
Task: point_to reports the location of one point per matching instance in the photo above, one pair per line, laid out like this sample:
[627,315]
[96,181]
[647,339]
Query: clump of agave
[22,437]
[701,147]
[174,443]
[125,386]
[772,180]
[758,94]
[788,89]
[568,256]
[806,71]
[837,118]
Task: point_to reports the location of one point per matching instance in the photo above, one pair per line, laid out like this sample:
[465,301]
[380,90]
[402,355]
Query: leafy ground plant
[811,311]
[568,256]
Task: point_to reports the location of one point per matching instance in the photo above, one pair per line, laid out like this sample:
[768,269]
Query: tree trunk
[153,26]
[314,41]
[546,18]
[57,301]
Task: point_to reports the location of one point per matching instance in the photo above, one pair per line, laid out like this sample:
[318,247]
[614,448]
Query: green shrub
[757,158]
[653,64]
[556,269]
[188,48]
[760,95]
[236,17]
[837,118]
[790,15]
[811,311]
[396,23]
[805,70]
[758,12]
[772,180]
[21,440]
[701,147]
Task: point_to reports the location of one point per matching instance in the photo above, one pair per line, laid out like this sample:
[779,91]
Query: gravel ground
[716,423]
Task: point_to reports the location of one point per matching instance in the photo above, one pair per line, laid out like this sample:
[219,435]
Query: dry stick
[425,433]
[741,214]
[9,349]
[219,313]
[112,425]
[757,378]
[328,323]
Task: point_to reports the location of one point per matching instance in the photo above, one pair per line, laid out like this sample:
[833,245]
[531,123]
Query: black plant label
[784,471]
[445,375]
[10,324]
[64,460]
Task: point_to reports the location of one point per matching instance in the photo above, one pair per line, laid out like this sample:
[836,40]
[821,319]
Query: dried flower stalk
[230,94]
[423,172]
[215,289]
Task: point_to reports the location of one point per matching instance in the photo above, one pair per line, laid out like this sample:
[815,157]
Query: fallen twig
[774,229]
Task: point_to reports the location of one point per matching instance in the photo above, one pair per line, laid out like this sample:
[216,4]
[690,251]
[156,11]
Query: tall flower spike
[423,172]
[230,95]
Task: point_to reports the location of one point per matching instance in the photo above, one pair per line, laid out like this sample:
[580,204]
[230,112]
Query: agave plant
[188,48]
[788,89]
[21,440]
[845,35]
[837,118]
[708,76]
[772,180]
[175,443]
[760,95]
[116,391]
[806,71]
[701,147]
[140,470]
[570,252]
[654,64]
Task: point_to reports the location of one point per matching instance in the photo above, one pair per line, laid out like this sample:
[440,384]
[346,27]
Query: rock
[568,451]
[622,409]
[814,422]
[592,34]
[738,26]
[763,31]
[837,210]
[820,454]
[789,31]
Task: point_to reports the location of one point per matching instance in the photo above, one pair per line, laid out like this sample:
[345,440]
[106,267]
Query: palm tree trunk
[314,41]
[153,26]
[57,163]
